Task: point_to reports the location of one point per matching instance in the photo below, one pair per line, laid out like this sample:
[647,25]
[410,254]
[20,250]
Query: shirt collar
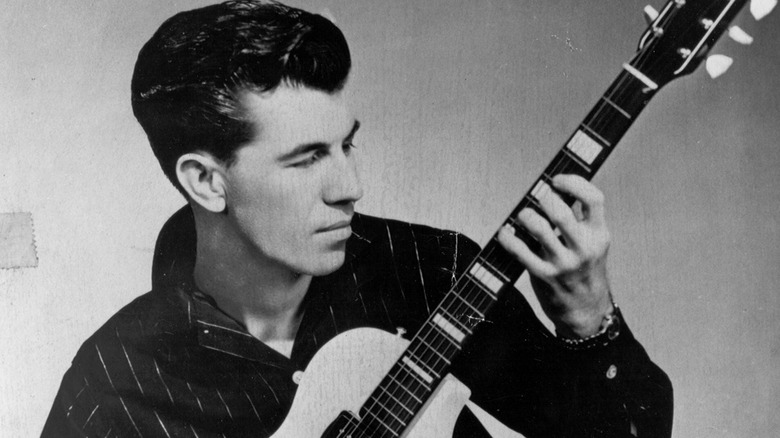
[218,331]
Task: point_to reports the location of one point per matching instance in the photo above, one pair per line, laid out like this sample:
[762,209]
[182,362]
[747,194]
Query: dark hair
[189,76]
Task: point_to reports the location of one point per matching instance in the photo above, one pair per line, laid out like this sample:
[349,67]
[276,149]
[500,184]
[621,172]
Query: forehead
[289,116]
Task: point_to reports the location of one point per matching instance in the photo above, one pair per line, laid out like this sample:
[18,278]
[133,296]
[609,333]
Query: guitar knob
[737,34]
[650,14]
[716,65]
[761,8]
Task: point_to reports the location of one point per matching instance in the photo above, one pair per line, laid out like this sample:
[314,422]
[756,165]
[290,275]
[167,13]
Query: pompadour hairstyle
[189,76]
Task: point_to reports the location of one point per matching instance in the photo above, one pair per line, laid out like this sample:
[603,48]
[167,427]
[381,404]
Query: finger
[541,230]
[516,247]
[560,214]
[592,198]
[577,209]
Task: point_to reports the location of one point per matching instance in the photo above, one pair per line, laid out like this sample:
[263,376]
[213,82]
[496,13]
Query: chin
[325,264]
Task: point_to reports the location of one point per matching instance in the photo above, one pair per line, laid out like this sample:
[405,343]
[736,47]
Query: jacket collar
[218,331]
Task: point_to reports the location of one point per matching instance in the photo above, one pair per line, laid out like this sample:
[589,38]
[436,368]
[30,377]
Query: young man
[243,106]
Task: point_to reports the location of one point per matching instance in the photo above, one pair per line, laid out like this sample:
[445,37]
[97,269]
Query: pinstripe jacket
[171,363]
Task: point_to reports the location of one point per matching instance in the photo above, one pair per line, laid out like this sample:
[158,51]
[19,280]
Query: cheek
[275,205]
[277,212]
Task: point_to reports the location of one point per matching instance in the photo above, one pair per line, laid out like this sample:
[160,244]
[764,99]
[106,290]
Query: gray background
[462,105]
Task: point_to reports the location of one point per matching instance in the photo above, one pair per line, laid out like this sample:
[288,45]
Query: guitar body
[348,368]
[341,376]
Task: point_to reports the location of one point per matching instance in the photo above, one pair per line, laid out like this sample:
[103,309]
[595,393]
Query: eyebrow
[309,147]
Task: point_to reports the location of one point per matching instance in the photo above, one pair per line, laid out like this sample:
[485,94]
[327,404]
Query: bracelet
[609,330]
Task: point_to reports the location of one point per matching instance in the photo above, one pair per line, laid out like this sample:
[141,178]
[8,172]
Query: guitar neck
[412,379]
[673,45]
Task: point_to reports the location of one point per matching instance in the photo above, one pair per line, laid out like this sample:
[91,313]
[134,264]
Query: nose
[342,185]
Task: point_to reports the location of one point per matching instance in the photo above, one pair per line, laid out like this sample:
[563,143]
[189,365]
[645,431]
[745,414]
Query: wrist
[608,330]
[583,321]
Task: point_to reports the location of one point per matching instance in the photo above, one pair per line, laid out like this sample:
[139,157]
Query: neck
[257,292]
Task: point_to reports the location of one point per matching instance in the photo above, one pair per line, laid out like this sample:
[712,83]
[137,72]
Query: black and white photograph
[418,219]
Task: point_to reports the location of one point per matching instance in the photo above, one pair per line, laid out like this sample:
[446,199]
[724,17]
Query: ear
[202,177]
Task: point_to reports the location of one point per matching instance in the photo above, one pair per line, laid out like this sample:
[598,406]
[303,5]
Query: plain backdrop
[462,105]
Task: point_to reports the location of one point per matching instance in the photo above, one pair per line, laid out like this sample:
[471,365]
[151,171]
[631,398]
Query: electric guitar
[369,383]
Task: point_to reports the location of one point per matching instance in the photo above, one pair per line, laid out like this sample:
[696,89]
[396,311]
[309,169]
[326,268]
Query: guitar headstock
[681,35]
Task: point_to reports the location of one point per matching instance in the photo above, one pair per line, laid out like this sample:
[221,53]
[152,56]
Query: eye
[311,159]
[348,147]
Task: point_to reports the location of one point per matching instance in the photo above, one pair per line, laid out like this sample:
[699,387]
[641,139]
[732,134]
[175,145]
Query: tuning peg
[717,65]
[650,14]
[761,8]
[737,34]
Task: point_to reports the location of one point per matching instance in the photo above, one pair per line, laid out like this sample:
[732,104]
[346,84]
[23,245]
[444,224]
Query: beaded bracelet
[609,330]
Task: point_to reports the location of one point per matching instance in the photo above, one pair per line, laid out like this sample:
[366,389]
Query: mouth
[341,226]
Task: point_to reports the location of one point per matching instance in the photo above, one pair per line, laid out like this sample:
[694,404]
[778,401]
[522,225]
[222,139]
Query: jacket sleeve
[532,382]
[76,411]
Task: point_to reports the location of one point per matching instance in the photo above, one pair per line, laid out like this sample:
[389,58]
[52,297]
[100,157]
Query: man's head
[243,107]
[190,76]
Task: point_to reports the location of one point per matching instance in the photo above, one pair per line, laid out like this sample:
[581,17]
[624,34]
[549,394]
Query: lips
[340,225]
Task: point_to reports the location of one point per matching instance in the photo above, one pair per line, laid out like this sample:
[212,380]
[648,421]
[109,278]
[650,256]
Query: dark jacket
[172,364]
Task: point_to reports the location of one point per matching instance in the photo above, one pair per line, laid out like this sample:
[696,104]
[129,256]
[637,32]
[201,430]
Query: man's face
[291,191]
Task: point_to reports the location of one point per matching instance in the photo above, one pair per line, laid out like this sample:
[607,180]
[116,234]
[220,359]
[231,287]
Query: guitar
[369,383]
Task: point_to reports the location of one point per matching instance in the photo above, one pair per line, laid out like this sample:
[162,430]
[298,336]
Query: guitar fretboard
[412,379]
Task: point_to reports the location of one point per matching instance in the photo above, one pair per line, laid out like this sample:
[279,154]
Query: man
[244,107]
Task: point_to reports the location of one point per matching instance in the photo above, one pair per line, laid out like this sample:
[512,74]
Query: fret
[424,347]
[502,261]
[463,300]
[392,414]
[406,390]
[397,402]
[403,367]
[387,410]
[419,370]
[481,287]
[486,277]
[469,302]
[490,268]
[448,328]
[435,328]
[564,163]
[608,121]
[631,95]
[453,319]
[617,107]
[435,351]
[576,159]
[536,206]
[641,76]
[595,135]
[521,233]
[538,209]
[375,418]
